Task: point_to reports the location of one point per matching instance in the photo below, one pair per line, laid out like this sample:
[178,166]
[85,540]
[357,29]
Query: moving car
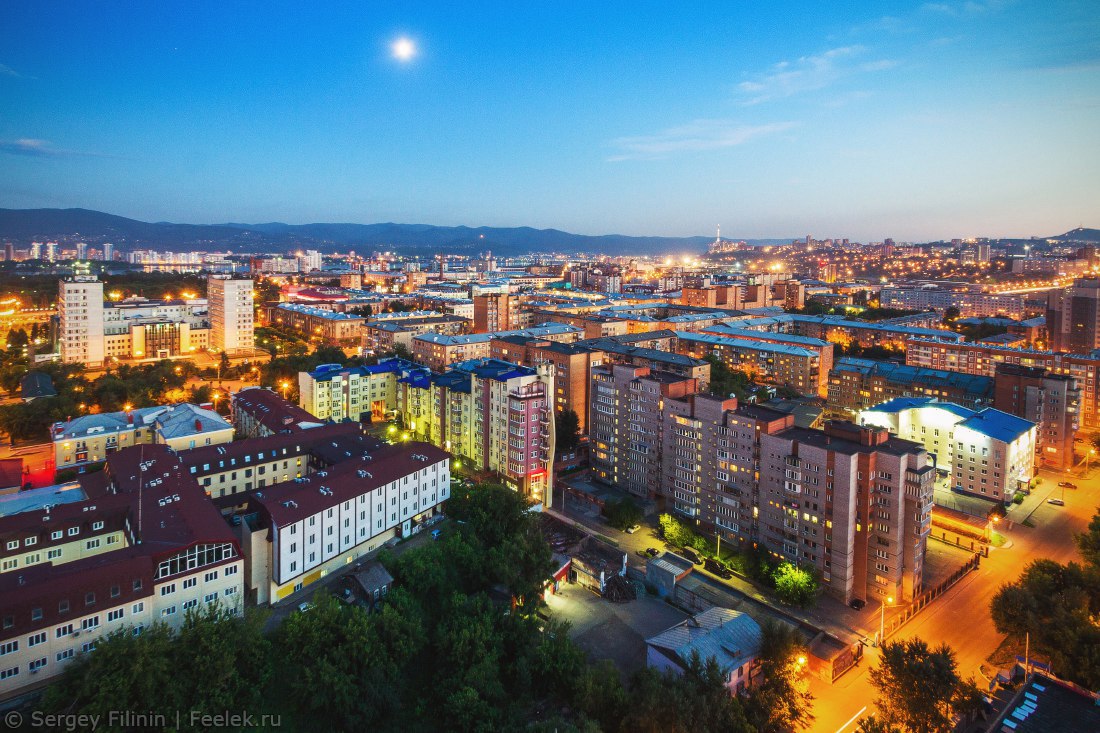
[1056,502]
[1067,485]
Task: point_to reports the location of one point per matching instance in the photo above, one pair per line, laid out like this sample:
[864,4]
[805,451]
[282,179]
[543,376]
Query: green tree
[919,688]
[696,701]
[781,700]
[622,513]
[795,585]
[678,533]
[1088,542]
[950,315]
[567,431]
[1055,604]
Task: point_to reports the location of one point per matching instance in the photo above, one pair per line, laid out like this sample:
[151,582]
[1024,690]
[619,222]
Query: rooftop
[998,425]
[747,345]
[272,411]
[730,637]
[310,310]
[973,385]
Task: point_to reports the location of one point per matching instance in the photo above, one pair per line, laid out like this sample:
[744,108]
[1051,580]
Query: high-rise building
[1073,315]
[309,261]
[108,252]
[36,251]
[51,251]
[9,252]
[81,250]
[625,424]
[1051,400]
[494,415]
[853,502]
[492,312]
[231,313]
[80,320]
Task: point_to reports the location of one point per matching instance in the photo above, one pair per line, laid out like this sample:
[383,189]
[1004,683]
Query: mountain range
[23,226]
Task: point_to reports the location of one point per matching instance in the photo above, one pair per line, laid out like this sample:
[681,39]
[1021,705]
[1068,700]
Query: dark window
[36,614]
[89,599]
[137,584]
[63,606]
[115,591]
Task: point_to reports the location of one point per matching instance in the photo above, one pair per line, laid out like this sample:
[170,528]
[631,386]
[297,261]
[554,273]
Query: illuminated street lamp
[285,385]
[217,396]
[882,621]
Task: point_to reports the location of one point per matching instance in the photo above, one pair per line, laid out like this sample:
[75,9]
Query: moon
[403,49]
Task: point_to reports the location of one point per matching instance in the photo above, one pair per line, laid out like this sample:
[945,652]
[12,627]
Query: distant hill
[1079,235]
[23,226]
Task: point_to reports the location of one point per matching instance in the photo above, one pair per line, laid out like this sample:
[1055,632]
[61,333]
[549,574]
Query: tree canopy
[919,689]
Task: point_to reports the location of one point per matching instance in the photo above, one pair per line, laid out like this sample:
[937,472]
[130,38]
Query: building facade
[1050,400]
[231,314]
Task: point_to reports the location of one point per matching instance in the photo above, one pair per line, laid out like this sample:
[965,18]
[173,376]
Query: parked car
[1056,502]
[304,606]
[717,568]
[436,533]
[690,555]
[651,552]
[857,603]
[1067,485]
[633,528]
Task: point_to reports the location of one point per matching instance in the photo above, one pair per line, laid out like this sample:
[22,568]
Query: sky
[915,121]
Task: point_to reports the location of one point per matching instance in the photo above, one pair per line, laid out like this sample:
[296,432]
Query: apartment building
[891,333]
[858,384]
[1073,316]
[796,367]
[438,351]
[970,302]
[135,544]
[298,531]
[1050,400]
[383,337]
[853,502]
[318,324]
[493,312]
[335,392]
[90,439]
[983,359]
[258,412]
[652,350]
[231,313]
[80,321]
[572,364]
[626,425]
[496,415]
[988,453]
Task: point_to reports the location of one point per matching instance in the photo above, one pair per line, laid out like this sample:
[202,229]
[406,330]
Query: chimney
[130,418]
[198,425]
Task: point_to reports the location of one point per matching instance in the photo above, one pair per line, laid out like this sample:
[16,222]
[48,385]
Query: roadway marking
[851,720]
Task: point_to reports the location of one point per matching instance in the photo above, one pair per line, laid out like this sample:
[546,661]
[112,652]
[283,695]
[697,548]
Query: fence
[930,595]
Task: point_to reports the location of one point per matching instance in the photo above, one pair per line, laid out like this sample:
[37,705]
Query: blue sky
[870,120]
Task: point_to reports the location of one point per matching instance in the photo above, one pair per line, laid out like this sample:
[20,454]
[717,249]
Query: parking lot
[613,631]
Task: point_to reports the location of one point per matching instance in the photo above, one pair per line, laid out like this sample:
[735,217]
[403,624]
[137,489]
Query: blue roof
[998,425]
[730,637]
[909,403]
[746,344]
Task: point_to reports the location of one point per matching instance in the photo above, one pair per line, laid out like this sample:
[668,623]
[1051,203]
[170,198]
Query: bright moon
[403,49]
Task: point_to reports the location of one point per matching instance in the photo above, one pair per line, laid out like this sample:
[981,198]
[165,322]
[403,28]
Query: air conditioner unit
[76,634]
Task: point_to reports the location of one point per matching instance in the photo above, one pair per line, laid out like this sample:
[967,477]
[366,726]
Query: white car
[633,529]
[304,606]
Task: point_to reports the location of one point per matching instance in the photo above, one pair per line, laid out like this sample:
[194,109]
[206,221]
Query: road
[961,617]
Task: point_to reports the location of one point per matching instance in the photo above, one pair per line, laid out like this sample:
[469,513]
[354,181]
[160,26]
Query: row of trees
[794,585]
[1057,606]
[458,646]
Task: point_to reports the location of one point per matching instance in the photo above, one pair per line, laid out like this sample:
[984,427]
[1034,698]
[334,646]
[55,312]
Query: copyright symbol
[13,719]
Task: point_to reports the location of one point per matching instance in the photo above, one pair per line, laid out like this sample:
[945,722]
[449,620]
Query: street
[960,618]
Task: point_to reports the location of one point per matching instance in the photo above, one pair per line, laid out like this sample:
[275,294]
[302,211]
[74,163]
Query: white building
[334,392]
[136,544]
[80,321]
[309,261]
[231,313]
[987,453]
[307,527]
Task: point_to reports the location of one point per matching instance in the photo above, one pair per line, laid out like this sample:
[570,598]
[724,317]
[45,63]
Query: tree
[781,700]
[695,701]
[795,586]
[919,688]
[1088,542]
[622,513]
[679,534]
[567,431]
[951,314]
[1055,605]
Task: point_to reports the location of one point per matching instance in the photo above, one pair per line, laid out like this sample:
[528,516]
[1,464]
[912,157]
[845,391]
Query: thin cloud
[971,7]
[695,136]
[9,72]
[30,147]
[808,73]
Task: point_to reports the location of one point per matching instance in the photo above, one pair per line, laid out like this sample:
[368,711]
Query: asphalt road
[961,617]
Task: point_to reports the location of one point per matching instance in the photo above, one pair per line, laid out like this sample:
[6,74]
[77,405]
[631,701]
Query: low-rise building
[385,336]
[731,638]
[797,367]
[318,324]
[90,439]
[135,544]
[988,453]
[299,530]
[259,412]
[438,351]
[335,392]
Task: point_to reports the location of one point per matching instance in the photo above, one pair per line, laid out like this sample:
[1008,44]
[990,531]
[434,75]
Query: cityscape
[509,470]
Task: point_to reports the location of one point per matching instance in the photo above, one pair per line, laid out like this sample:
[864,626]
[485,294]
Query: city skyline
[916,122]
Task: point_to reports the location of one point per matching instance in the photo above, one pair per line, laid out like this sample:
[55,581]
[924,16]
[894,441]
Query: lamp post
[217,396]
[285,385]
[882,621]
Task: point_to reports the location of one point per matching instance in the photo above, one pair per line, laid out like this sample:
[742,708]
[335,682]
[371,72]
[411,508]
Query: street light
[882,621]
[285,385]
[217,396]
